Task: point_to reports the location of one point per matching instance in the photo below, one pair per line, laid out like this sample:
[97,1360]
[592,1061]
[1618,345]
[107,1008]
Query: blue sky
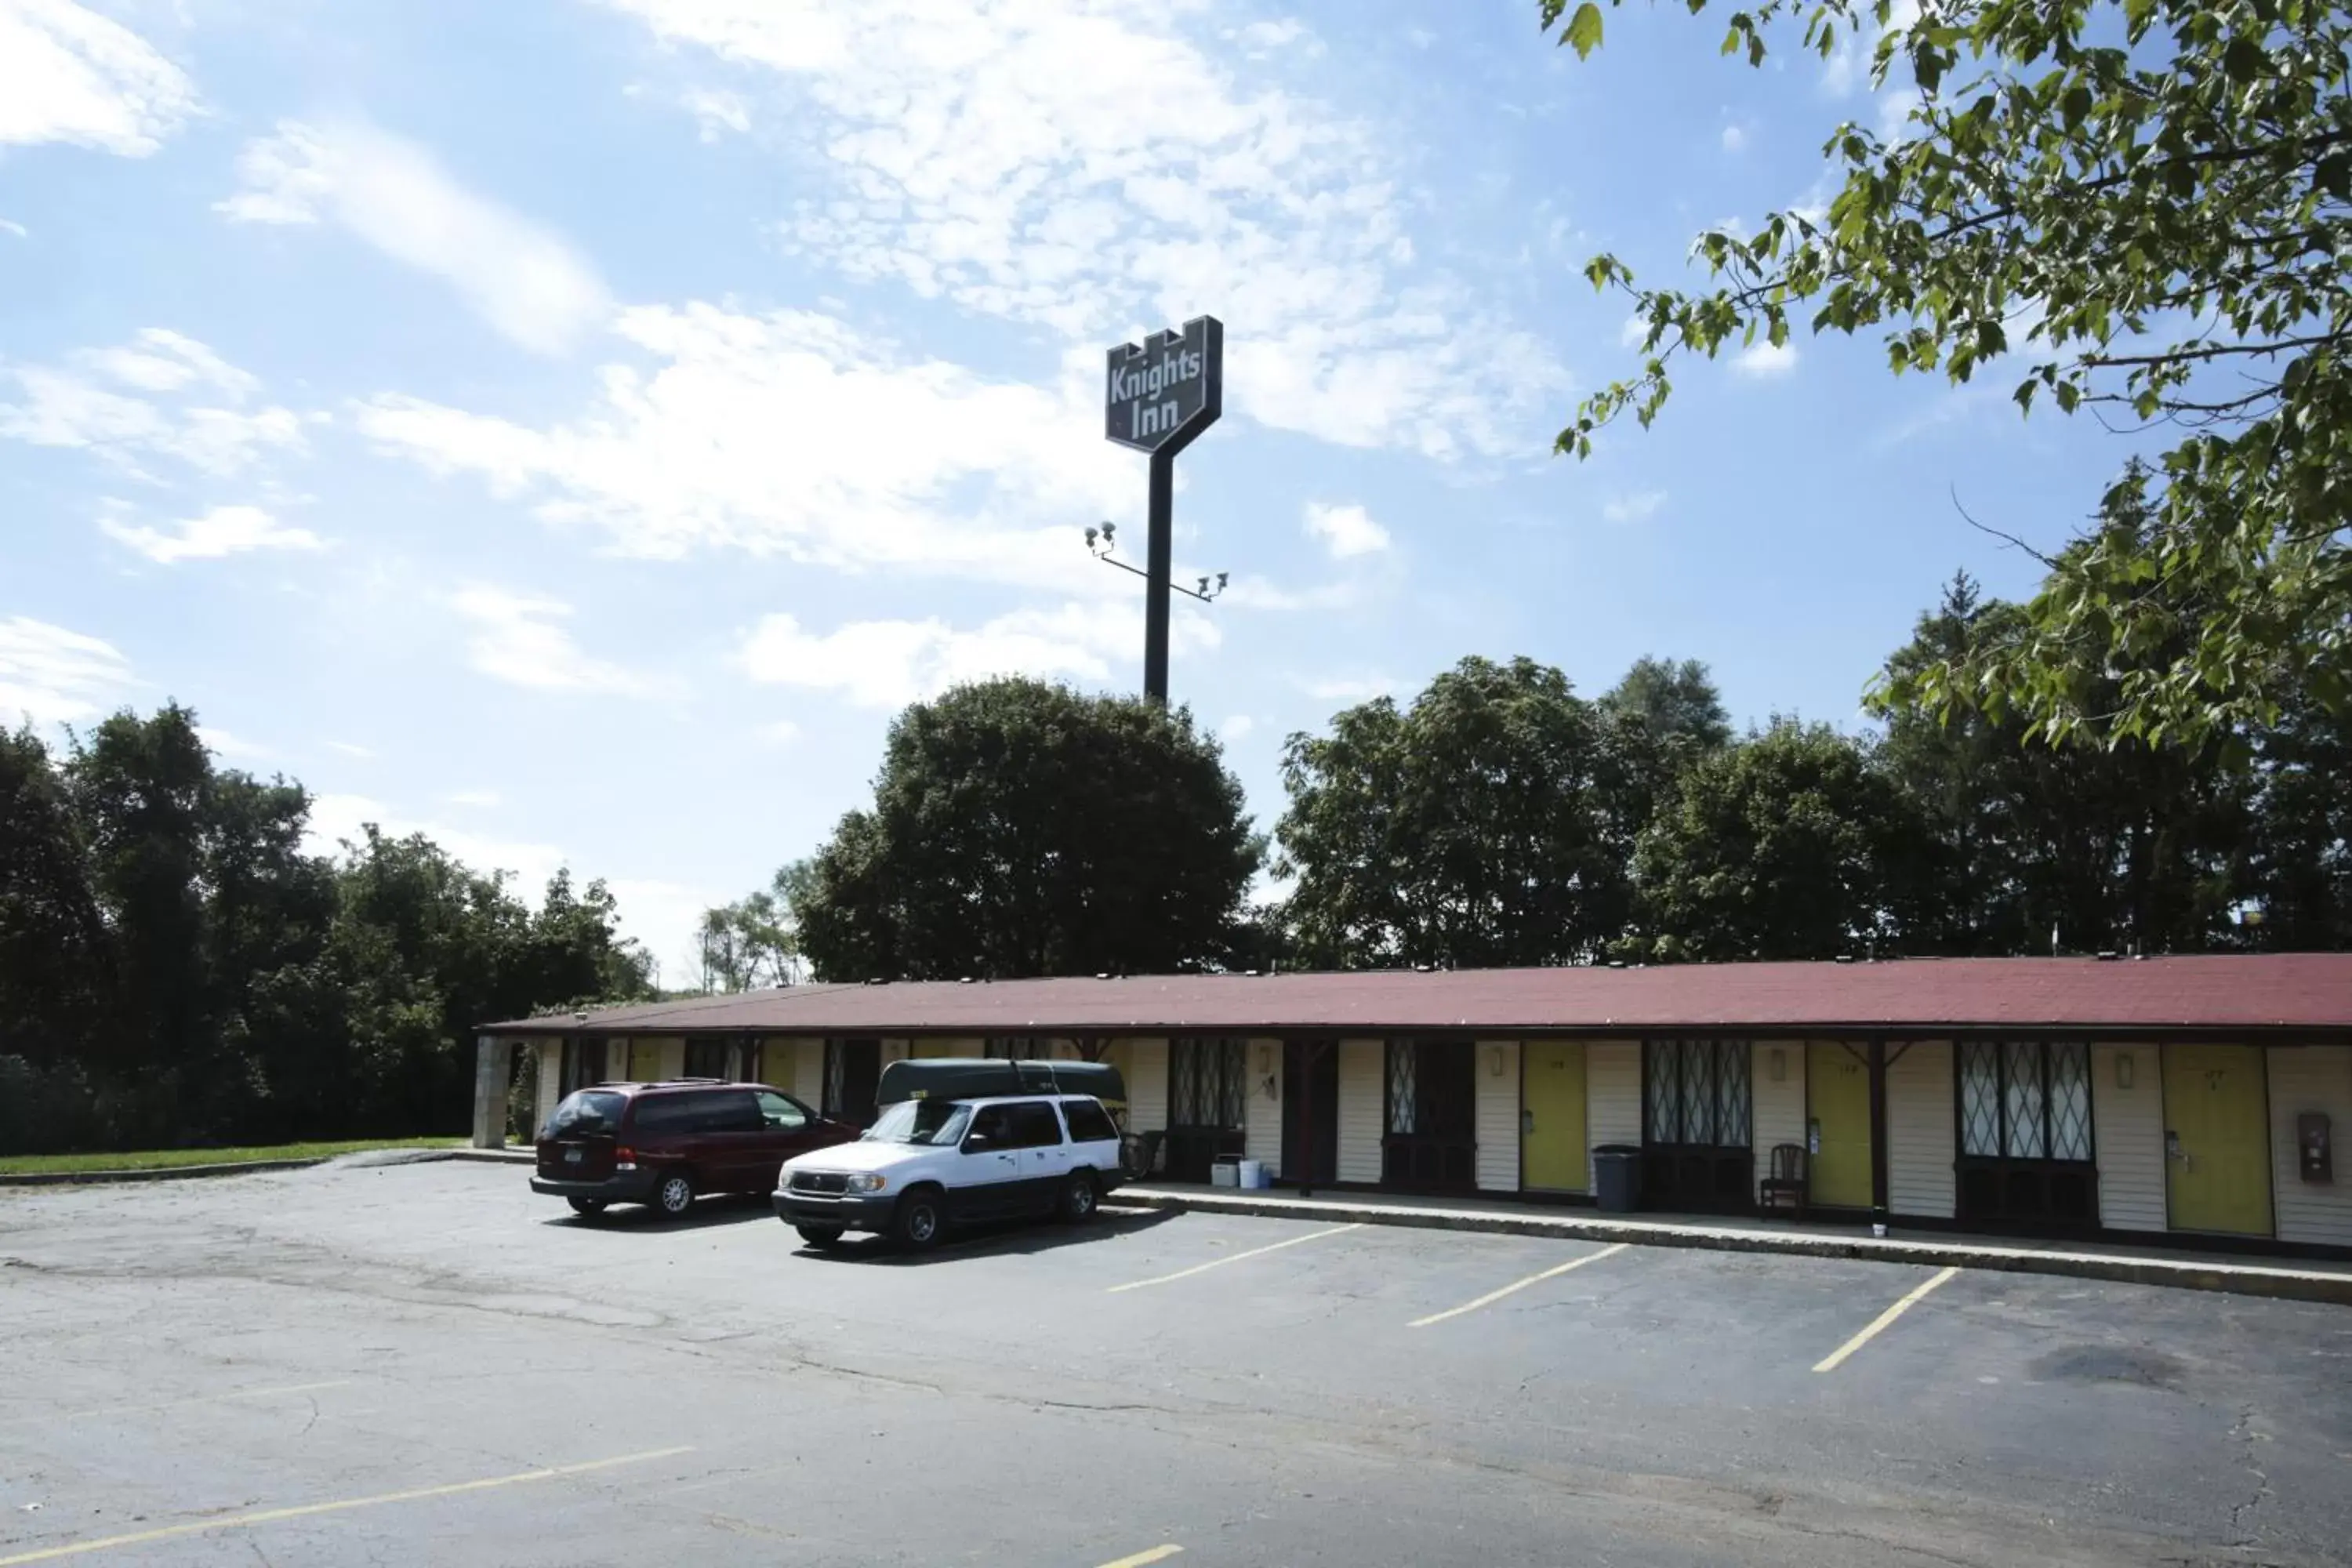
[574,429]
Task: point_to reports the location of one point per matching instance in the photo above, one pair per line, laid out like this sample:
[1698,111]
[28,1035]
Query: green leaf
[1583,31]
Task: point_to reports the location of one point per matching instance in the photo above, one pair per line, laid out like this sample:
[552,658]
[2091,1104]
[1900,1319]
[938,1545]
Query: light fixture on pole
[1103,540]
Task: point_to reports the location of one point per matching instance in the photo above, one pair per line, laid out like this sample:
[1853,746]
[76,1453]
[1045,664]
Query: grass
[163,1159]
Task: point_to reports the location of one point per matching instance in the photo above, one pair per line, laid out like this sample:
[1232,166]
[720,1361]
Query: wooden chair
[1785,1186]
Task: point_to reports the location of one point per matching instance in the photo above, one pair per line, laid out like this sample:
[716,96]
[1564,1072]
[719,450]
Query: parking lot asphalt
[427,1365]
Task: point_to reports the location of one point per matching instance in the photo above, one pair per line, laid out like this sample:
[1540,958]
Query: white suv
[927,1164]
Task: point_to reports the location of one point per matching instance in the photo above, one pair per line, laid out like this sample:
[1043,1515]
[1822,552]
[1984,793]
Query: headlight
[868,1183]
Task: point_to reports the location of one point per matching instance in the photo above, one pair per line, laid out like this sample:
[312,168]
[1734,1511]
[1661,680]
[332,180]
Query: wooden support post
[493,1071]
[1878,1207]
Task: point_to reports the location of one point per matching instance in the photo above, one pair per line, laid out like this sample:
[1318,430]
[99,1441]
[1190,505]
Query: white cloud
[779,732]
[524,280]
[1765,360]
[887,664]
[1635,332]
[336,820]
[1850,61]
[1735,137]
[1345,531]
[234,747]
[350,750]
[1349,688]
[1638,506]
[52,676]
[161,394]
[789,433]
[222,530]
[1236,729]
[517,639]
[1895,107]
[1094,171]
[9,225]
[482,798]
[715,111]
[67,74]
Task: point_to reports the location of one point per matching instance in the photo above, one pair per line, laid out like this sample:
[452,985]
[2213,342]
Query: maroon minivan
[664,1145]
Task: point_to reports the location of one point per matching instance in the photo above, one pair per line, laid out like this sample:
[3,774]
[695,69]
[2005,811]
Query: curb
[246,1167]
[2235,1280]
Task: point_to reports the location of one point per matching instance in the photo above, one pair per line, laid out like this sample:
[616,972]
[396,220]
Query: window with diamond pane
[2070,1102]
[1402,1092]
[1979,1098]
[2022,1104]
[1731,1123]
[1664,1057]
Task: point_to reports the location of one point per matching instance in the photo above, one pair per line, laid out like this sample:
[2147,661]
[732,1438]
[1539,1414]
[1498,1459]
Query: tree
[1022,828]
[2150,201]
[53,942]
[2135,845]
[748,945]
[1676,703]
[1487,824]
[1778,847]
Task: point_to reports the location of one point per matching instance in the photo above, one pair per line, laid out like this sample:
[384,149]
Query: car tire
[588,1208]
[823,1238]
[1080,1196]
[920,1220]
[674,1197]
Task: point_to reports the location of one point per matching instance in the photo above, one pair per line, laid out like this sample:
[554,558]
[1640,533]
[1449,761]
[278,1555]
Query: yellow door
[644,1061]
[1551,1116]
[2217,1151]
[924,1050]
[1837,1102]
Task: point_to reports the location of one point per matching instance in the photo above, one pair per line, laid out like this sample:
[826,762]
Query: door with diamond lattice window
[2025,1152]
[1697,1125]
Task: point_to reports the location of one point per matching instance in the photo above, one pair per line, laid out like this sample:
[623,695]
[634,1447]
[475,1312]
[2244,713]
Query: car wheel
[823,1238]
[920,1220]
[674,1196]
[588,1208]
[1078,1196]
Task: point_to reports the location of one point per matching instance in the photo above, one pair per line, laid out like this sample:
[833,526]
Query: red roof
[2238,991]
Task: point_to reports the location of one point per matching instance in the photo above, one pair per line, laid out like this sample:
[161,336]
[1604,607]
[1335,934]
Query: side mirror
[978,1143]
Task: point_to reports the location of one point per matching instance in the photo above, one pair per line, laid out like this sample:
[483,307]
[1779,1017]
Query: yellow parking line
[1156,1554]
[1220,1262]
[1836,1358]
[272,1515]
[1491,1297]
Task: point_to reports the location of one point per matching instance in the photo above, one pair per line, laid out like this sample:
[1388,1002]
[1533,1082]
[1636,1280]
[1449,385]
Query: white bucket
[1224,1173]
[1253,1172]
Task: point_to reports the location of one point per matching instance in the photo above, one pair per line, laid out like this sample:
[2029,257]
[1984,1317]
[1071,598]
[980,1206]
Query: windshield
[939,1122]
[590,1110]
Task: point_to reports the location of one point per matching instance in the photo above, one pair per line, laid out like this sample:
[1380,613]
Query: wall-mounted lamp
[1494,1062]
[2124,1070]
[1779,1066]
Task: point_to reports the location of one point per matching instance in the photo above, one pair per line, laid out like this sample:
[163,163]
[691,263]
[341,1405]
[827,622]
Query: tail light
[624,1159]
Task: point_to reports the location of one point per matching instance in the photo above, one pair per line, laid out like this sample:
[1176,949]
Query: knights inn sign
[1158,394]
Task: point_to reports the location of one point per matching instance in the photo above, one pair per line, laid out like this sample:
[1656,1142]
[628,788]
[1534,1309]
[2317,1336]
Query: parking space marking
[306,1510]
[1491,1297]
[177,1404]
[1156,1554]
[1220,1262]
[1836,1358]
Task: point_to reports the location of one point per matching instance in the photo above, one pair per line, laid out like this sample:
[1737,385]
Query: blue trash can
[1617,1177]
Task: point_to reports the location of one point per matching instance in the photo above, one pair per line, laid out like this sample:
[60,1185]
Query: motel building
[2198,1098]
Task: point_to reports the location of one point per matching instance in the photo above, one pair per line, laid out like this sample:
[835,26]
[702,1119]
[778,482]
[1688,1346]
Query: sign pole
[1159,396]
[1159,570]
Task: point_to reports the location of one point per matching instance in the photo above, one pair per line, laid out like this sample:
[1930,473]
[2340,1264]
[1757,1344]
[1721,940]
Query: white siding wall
[2127,1135]
[1363,1066]
[1498,1115]
[2311,1078]
[807,1068]
[550,1081]
[1612,1095]
[893,1051]
[1147,1084]
[1261,1136]
[1921,1136]
[1780,1108]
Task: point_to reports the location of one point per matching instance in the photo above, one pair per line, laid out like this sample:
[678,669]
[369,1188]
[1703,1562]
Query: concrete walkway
[2287,1279]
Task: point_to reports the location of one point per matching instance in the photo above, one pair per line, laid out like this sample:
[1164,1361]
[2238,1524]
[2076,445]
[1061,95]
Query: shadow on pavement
[719,1208]
[1004,1239]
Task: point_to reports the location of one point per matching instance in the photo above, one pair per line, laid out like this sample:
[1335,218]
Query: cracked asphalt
[425,1363]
